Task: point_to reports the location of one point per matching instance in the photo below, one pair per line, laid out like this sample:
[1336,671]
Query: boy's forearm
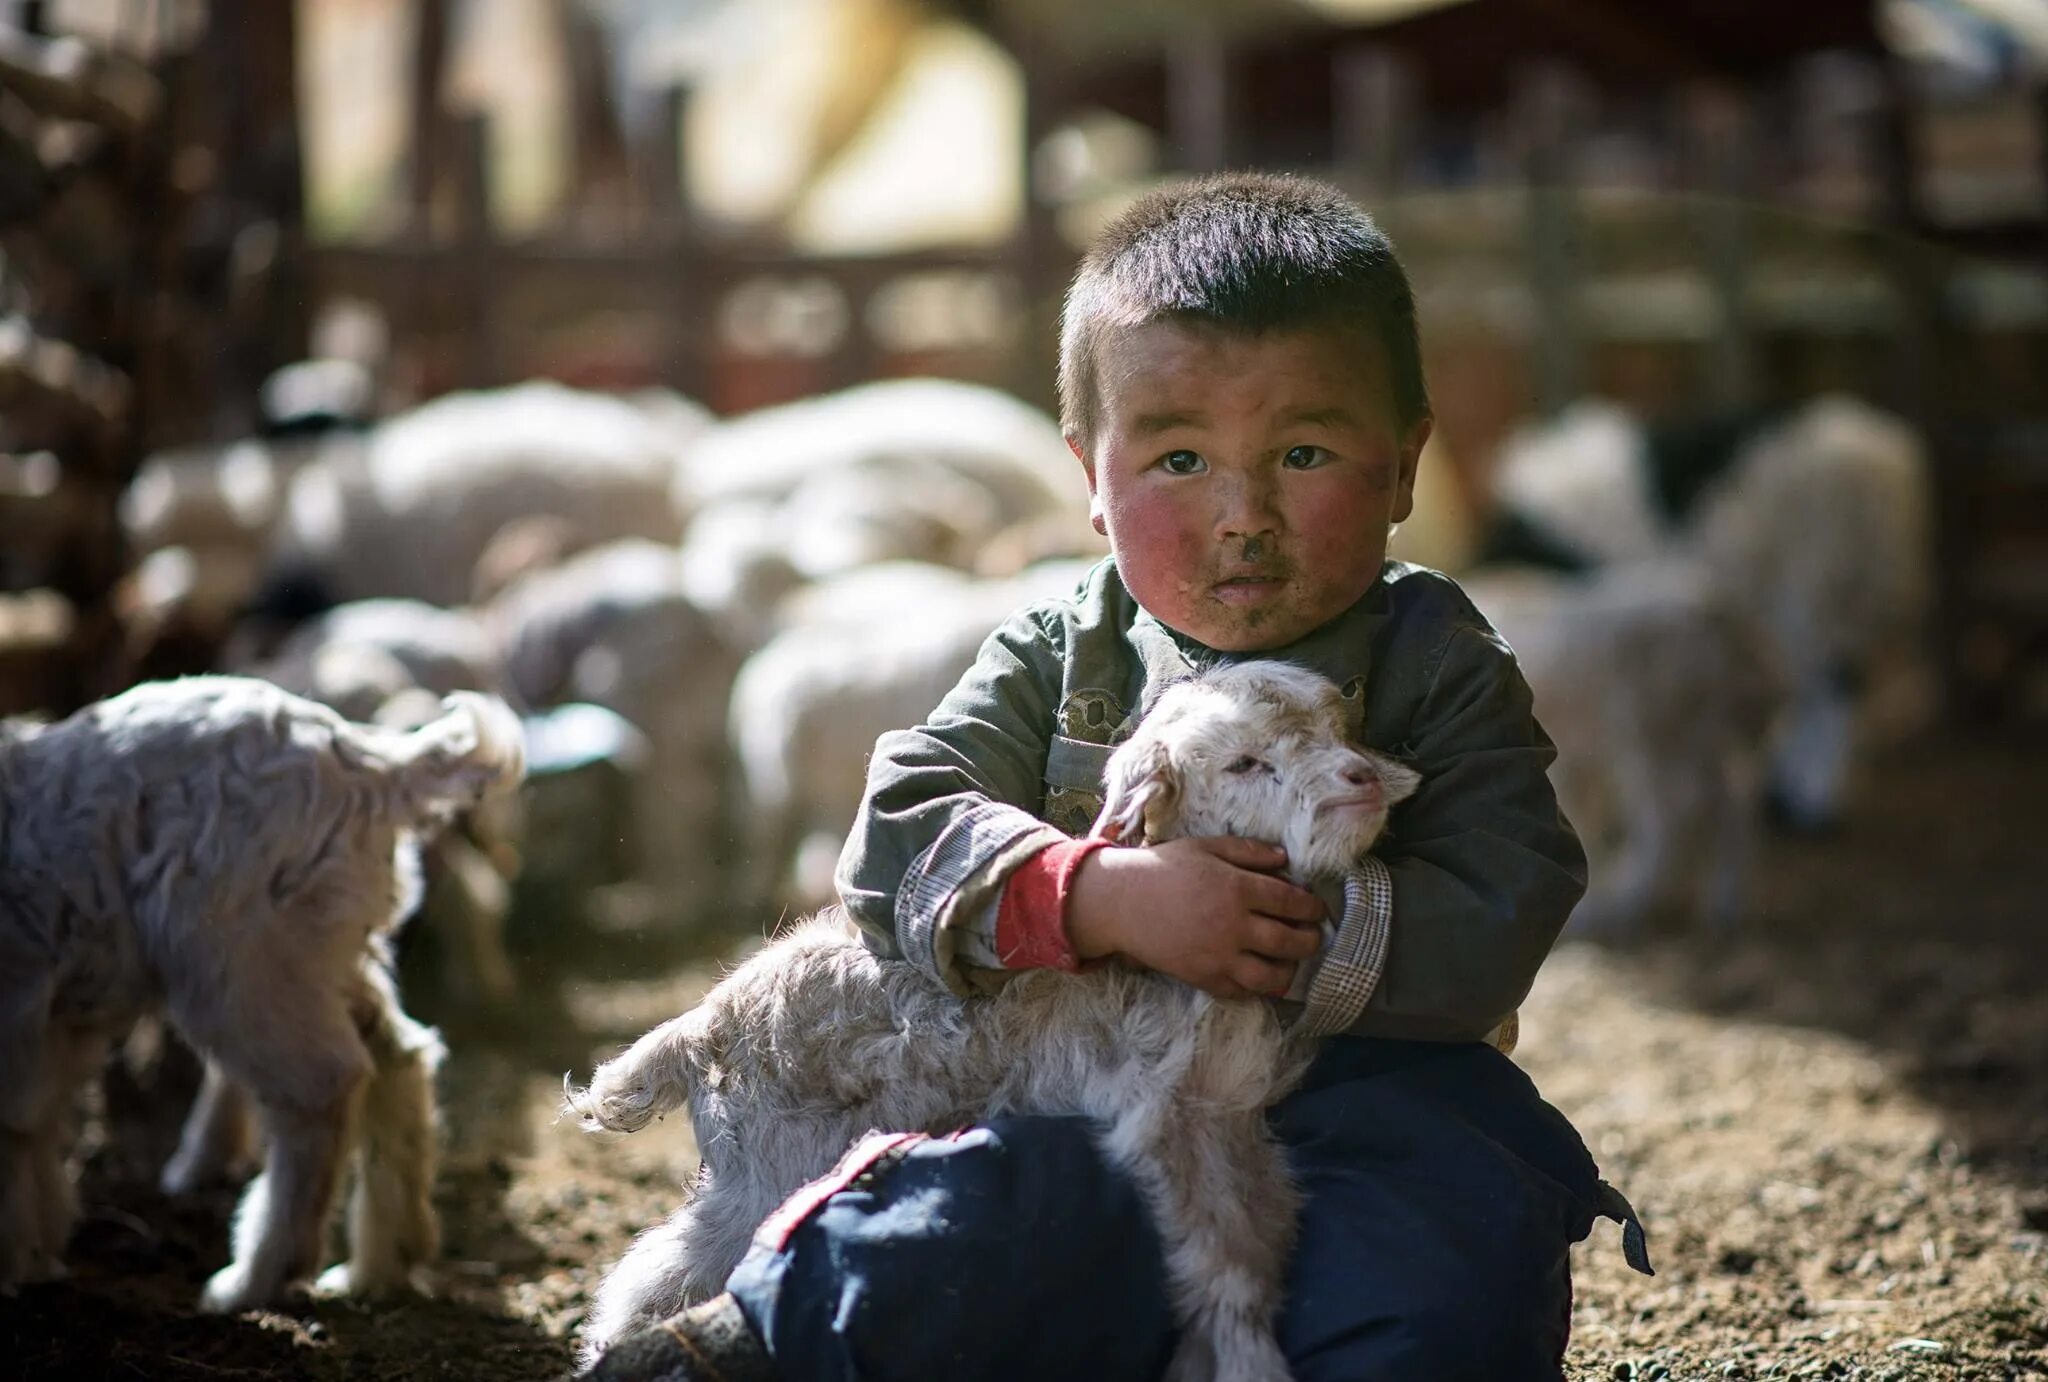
[936,907]
[950,811]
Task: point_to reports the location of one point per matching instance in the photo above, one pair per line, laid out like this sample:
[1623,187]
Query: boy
[1241,381]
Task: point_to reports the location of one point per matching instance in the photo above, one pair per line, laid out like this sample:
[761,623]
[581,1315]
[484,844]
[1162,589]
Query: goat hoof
[338,1280]
[229,1291]
[353,1279]
[182,1175]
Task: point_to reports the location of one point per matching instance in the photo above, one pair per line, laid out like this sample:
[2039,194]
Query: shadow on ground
[1919,928]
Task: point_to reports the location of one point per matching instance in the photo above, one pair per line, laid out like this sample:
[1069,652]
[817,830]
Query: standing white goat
[815,1041]
[238,857]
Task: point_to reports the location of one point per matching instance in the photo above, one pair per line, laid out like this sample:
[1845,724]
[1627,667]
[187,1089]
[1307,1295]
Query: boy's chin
[1232,629]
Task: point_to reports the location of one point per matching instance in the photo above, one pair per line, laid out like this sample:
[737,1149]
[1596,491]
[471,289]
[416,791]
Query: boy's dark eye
[1245,764]
[1183,463]
[1306,457]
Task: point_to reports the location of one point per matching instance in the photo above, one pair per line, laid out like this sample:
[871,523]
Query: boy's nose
[1248,513]
[1258,545]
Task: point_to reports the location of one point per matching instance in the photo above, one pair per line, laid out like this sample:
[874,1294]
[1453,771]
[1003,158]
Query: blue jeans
[1443,1196]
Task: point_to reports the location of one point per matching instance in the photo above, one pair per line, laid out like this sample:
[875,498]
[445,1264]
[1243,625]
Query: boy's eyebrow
[1328,415]
[1331,415]
[1152,424]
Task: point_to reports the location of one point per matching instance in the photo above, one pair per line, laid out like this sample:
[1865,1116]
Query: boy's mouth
[1248,587]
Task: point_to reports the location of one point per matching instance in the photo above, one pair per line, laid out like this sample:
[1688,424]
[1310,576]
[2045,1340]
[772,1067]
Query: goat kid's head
[1256,749]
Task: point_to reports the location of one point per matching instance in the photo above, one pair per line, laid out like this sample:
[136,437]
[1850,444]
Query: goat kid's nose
[1360,774]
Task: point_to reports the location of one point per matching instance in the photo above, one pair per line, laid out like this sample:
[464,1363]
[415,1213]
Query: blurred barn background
[683,373]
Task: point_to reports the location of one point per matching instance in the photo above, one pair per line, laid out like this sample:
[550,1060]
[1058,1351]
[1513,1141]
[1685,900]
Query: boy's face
[1246,482]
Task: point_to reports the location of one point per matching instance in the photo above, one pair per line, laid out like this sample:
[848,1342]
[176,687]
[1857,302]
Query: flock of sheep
[706,624]
[756,599]
[703,625]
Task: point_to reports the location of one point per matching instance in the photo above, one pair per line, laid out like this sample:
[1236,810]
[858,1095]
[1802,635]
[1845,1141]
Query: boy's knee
[1481,1331]
[1014,1248]
[1400,1287]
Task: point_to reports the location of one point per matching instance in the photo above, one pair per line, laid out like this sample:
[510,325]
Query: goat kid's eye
[1305,457]
[1244,765]
[1182,463]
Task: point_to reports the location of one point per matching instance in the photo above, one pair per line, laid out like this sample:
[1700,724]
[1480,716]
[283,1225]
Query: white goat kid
[815,1041]
[236,856]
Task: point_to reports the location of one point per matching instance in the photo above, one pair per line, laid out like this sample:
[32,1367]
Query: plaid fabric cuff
[947,908]
[1356,956]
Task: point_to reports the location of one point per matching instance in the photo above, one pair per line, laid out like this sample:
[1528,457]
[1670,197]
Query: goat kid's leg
[1226,1212]
[56,1197]
[281,1225]
[682,1261]
[28,1093]
[473,897]
[650,1283]
[723,1219]
[36,1134]
[649,1078]
[1723,889]
[392,1226]
[218,1135]
[21,1230]
[1635,878]
[38,1206]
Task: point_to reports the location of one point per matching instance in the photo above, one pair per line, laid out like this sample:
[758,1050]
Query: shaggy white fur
[1657,693]
[235,856]
[815,1041]
[389,662]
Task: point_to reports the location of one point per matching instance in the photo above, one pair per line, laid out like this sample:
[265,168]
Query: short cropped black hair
[1248,252]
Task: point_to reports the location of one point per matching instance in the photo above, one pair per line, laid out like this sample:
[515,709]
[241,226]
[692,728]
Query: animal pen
[1708,210]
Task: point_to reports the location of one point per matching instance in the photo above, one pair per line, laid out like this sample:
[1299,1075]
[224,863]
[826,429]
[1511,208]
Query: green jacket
[1444,924]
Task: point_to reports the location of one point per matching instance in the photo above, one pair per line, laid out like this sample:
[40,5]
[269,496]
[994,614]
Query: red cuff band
[1031,921]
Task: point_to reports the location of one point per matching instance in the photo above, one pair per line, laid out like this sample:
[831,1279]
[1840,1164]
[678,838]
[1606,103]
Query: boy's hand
[1209,912]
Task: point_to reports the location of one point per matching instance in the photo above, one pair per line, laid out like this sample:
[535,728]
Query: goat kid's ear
[1399,780]
[1142,795]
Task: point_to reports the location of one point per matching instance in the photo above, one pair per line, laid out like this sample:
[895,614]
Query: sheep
[435,486]
[1821,536]
[1656,696]
[614,627]
[1009,448]
[236,857]
[737,568]
[199,521]
[201,497]
[1813,528]
[887,509]
[439,650]
[847,667]
[926,470]
[1024,544]
[1582,481]
[815,1041]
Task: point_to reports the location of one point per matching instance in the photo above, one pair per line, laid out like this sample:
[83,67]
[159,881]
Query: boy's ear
[1141,798]
[1410,460]
[1080,451]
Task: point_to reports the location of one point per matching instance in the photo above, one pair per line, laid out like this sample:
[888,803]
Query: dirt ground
[1834,1123]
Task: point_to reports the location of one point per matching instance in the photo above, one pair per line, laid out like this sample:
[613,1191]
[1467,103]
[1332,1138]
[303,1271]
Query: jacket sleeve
[951,810]
[1481,869]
